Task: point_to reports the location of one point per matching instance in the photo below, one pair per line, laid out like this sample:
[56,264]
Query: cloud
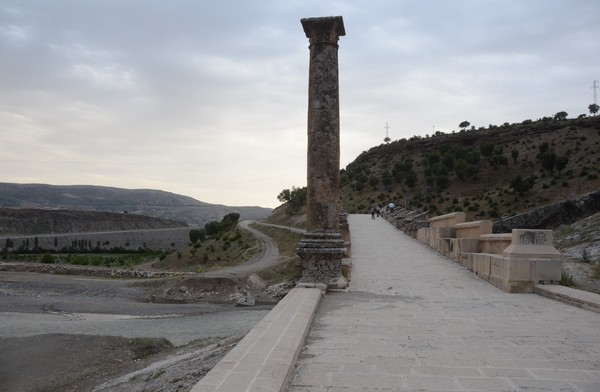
[210,99]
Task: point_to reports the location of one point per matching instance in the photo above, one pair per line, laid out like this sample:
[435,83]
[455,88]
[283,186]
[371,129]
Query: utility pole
[595,88]
[387,137]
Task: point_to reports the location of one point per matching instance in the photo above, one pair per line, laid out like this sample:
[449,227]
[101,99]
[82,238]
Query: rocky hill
[35,221]
[154,203]
[490,173]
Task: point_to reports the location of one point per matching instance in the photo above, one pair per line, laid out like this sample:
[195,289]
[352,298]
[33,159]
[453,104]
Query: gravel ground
[72,333]
[582,274]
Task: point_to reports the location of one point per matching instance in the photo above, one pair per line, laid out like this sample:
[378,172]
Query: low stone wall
[264,359]
[514,262]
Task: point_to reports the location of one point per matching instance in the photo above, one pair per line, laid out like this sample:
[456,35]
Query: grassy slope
[213,253]
[488,194]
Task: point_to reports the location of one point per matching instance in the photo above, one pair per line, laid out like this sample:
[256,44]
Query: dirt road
[267,257]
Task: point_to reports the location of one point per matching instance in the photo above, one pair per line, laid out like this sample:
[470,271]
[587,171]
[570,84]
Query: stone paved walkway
[413,320]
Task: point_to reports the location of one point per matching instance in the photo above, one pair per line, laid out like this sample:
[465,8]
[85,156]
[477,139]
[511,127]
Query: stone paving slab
[583,299]
[263,360]
[413,320]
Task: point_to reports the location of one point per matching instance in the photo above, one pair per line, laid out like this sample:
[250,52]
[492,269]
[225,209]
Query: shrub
[566,279]
[47,258]
[585,257]
[521,184]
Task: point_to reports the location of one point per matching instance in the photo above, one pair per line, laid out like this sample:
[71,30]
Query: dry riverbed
[74,333]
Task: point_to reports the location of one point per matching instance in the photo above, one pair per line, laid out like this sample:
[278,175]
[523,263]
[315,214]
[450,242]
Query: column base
[321,254]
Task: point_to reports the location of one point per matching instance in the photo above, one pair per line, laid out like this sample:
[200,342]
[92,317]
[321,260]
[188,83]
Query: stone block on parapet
[447,220]
[487,266]
[428,235]
[473,229]
[527,261]
[526,243]
[495,243]
[431,235]
[461,246]
[532,256]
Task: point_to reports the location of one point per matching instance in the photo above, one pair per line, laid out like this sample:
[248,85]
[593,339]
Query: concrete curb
[571,296]
[264,359]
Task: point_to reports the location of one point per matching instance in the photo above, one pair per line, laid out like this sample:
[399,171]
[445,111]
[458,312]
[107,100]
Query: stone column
[322,248]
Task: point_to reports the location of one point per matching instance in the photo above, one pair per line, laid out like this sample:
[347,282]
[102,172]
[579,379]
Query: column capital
[325,30]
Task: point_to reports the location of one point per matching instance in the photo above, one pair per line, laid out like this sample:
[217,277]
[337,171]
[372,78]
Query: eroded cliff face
[37,221]
[552,215]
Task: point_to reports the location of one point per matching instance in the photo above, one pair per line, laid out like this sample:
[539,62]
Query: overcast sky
[209,98]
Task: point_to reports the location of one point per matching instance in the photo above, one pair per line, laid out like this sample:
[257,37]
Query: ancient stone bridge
[413,319]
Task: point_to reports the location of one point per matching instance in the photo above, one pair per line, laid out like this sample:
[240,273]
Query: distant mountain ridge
[149,202]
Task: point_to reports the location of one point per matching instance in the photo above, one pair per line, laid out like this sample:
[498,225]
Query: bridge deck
[414,320]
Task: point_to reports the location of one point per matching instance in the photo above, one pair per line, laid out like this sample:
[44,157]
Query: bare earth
[72,333]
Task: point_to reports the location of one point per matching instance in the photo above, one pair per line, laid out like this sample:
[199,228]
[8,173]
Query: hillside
[484,172]
[148,202]
[35,221]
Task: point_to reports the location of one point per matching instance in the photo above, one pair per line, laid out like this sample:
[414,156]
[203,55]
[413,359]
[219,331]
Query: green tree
[560,116]
[373,181]
[473,157]
[197,235]
[284,196]
[593,109]
[212,227]
[229,221]
[460,168]
[433,158]
[548,159]
[561,162]
[464,124]
[487,149]
[521,184]
[514,154]
[498,160]
[411,179]
[542,148]
[296,196]
[448,160]
[386,178]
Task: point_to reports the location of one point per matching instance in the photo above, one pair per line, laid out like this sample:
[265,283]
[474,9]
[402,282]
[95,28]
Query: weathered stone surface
[321,255]
[323,171]
[552,215]
[323,247]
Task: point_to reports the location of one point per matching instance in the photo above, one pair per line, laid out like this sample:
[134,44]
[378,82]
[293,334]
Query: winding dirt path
[267,257]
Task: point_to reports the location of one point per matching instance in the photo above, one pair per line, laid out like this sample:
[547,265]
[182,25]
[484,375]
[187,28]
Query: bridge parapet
[447,220]
[514,262]
[264,359]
